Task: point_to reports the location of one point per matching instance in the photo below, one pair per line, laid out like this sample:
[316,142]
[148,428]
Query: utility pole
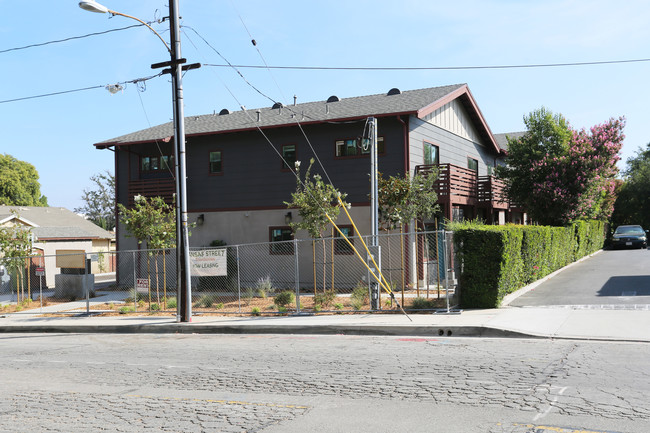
[183,282]
[374,247]
[184,286]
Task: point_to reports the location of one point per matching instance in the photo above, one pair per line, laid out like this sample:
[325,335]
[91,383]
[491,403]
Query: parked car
[630,236]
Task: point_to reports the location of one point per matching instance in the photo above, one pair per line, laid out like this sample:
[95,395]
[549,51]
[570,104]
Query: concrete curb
[190,328]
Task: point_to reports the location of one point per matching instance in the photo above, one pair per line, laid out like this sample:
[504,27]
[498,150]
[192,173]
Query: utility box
[75,280]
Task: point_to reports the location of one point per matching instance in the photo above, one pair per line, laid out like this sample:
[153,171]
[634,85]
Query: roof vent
[394,91]
[224,112]
[333,98]
[277,105]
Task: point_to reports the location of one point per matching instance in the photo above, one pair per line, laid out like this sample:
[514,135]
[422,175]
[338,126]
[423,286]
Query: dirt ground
[225,305]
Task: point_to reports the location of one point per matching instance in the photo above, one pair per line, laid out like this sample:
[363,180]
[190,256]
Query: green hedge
[498,260]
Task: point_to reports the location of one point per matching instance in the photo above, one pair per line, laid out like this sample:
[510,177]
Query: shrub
[284,298]
[497,260]
[219,306]
[172,303]
[324,299]
[205,301]
[255,311]
[421,303]
[155,307]
[359,296]
[264,287]
[126,309]
[134,295]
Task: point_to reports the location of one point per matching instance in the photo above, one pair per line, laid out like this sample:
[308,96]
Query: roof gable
[463,95]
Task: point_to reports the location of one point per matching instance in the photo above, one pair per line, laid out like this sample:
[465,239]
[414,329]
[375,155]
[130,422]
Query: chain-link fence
[299,276]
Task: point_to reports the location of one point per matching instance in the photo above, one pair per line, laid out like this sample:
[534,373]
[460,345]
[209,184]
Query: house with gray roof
[239,163]
[57,229]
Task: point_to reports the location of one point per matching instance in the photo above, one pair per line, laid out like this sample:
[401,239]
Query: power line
[429,68]
[69,39]
[63,92]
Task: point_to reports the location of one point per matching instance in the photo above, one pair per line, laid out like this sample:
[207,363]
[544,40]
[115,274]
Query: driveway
[619,278]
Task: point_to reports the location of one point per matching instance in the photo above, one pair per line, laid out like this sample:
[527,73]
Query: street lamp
[184,286]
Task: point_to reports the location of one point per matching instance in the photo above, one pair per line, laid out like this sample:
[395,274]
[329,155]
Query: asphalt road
[272,384]
[615,278]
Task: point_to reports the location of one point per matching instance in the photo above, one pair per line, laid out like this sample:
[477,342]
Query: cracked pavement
[252,383]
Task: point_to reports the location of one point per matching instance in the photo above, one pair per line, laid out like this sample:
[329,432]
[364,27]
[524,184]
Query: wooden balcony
[455,185]
[165,188]
[462,186]
[492,192]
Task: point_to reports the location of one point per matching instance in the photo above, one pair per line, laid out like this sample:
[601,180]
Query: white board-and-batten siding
[453,131]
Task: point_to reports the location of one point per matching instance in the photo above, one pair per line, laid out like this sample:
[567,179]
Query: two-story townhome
[237,183]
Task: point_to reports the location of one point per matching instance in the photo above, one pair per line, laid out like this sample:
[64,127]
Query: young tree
[151,221]
[15,247]
[403,199]
[19,184]
[315,200]
[99,203]
[561,175]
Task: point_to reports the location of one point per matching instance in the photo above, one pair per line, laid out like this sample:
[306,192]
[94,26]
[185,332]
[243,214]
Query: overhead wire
[71,38]
[379,278]
[44,95]
[431,68]
[244,109]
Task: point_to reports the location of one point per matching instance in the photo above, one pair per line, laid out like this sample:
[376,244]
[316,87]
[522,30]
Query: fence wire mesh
[300,276]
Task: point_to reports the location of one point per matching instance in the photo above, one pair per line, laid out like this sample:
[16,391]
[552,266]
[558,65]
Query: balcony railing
[164,188]
[461,185]
[492,192]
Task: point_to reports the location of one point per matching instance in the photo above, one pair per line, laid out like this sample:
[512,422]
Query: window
[431,154]
[280,237]
[156,163]
[357,147]
[472,163]
[341,246]
[490,170]
[216,166]
[289,156]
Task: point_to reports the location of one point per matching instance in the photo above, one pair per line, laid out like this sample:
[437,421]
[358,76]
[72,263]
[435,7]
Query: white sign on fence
[142,284]
[209,263]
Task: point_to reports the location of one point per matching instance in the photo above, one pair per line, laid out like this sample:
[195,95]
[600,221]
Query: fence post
[135,289]
[238,279]
[296,274]
[87,272]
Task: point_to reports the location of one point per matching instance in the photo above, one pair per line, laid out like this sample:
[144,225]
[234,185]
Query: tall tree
[99,202]
[19,184]
[633,202]
[562,175]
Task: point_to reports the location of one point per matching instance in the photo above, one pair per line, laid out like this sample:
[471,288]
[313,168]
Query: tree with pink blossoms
[560,175]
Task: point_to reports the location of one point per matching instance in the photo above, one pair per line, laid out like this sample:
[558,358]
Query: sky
[56,133]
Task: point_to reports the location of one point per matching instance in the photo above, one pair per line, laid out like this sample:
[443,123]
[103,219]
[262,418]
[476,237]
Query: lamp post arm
[141,22]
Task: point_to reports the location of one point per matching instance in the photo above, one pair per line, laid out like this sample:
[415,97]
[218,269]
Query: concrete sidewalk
[585,323]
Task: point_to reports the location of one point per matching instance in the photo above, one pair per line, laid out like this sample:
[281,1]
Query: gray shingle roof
[406,102]
[502,139]
[57,223]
